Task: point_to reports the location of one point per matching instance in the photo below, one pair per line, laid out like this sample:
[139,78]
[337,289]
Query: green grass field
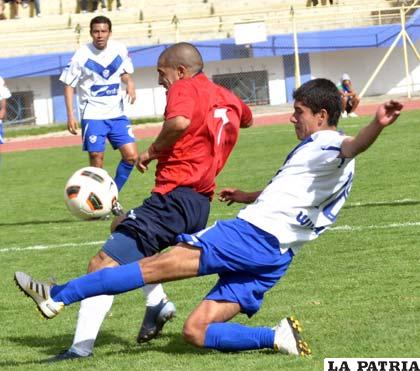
[355,289]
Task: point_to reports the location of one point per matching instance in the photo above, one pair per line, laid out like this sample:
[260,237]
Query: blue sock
[234,337]
[123,172]
[107,281]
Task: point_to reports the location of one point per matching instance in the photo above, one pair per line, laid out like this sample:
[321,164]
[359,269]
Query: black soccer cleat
[154,319]
[66,355]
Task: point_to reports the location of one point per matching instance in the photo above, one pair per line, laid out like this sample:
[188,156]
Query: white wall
[360,64]
[41,88]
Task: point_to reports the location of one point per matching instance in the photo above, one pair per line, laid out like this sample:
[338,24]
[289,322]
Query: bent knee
[100,261]
[194,333]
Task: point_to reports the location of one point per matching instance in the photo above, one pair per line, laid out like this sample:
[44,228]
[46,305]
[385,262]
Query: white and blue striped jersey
[97,76]
[4,91]
[304,197]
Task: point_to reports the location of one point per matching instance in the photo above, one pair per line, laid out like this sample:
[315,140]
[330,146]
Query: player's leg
[159,221]
[121,136]
[96,159]
[354,101]
[246,274]
[207,327]
[93,310]
[180,262]
[91,314]
[344,100]
[129,157]
[94,133]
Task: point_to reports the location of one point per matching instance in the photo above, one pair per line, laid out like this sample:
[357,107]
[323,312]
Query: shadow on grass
[40,222]
[51,346]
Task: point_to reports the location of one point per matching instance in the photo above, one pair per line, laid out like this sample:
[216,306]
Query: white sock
[154,294]
[91,315]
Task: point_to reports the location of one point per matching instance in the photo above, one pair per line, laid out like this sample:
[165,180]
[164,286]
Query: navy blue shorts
[247,259]
[158,221]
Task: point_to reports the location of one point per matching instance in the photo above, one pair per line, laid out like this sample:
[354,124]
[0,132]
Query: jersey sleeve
[72,72]
[4,90]
[330,147]
[180,102]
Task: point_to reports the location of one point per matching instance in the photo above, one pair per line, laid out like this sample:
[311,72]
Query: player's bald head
[182,54]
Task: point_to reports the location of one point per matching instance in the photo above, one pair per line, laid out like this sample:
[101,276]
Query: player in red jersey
[201,127]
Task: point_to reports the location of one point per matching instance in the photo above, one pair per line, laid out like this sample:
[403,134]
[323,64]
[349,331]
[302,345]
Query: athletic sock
[107,281]
[92,313]
[123,172]
[154,294]
[236,337]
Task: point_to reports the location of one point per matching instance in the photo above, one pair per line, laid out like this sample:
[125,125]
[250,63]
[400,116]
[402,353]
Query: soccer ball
[90,193]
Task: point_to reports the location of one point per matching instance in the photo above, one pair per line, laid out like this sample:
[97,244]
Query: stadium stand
[145,23]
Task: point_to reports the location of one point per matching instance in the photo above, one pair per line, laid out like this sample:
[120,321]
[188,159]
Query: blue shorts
[94,132]
[158,221]
[247,259]
[1,132]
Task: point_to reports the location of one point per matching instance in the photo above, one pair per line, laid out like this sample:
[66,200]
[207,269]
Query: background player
[4,95]
[349,99]
[201,127]
[97,70]
[252,252]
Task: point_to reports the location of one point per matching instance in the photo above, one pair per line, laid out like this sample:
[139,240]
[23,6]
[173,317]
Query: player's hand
[131,94]
[143,161]
[145,157]
[388,112]
[231,195]
[72,126]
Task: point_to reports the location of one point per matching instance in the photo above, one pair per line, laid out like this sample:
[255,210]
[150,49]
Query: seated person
[349,98]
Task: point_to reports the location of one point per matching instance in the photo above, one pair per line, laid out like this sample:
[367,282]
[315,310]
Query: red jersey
[215,116]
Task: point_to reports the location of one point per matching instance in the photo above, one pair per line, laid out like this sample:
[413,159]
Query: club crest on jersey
[105,73]
[93,138]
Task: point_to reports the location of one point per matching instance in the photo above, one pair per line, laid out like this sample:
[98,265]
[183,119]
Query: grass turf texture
[355,289]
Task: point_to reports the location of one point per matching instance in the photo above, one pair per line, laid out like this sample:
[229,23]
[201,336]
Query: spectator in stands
[119,5]
[96,3]
[2,15]
[83,6]
[14,7]
[349,98]
[37,4]
[4,95]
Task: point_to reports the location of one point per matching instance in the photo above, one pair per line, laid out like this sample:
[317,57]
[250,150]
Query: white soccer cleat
[344,115]
[353,114]
[39,292]
[287,338]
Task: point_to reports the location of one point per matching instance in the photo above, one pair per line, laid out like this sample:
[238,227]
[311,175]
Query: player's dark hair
[100,19]
[318,94]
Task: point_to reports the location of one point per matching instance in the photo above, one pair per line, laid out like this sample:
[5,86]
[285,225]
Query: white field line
[48,247]
[341,228]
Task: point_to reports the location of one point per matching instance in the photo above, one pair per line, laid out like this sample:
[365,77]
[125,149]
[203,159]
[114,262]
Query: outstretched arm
[386,115]
[231,195]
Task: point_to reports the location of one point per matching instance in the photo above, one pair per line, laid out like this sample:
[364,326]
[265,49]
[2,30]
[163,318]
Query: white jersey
[4,91]
[305,196]
[97,75]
